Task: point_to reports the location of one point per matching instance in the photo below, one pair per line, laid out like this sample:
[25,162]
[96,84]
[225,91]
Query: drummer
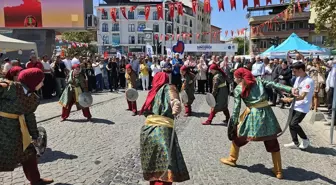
[220,91]
[189,87]
[257,122]
[131,78]
[76,85]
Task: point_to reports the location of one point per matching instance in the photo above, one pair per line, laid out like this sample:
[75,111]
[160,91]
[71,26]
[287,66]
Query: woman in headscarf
[161,163]
[13,73]
[220,91]
[188,85]
[131,78]
[257,122]
[17,120]
[77,84]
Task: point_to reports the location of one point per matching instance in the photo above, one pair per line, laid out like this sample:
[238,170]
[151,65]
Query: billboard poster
[41,14]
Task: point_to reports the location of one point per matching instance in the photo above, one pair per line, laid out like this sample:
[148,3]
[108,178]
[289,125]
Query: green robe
[260,124]
[68,94]
[155,143]
[220,91]
[13,100]
[189,87]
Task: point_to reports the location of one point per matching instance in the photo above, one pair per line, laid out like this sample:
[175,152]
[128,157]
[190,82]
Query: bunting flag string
[220,5]
[233,4]
[245,3]
[123,12]
[194,6]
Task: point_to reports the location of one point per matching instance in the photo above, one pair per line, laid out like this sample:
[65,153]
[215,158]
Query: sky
[229,19]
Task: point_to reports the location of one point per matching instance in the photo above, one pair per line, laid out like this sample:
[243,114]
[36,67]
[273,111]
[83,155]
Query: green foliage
[240,42]
[82,37]
[326,18]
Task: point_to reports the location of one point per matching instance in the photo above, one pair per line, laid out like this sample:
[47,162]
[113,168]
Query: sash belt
[26,139]
[248,109]
[222,85]
[157,120]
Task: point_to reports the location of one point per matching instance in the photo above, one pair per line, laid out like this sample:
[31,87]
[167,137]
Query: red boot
[160,183]
[187,110]
[210,118]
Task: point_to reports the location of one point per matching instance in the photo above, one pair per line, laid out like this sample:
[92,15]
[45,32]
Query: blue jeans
[99,82]
[293,80]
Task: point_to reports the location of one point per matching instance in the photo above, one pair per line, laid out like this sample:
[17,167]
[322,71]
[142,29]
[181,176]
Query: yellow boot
[234,153]
[277,170]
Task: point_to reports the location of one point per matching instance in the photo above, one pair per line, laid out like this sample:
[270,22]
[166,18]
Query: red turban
[249,80]
[31,78]
[160,79]
[128,66]
[184,68]
[14,71]
[75,66]
[215,67]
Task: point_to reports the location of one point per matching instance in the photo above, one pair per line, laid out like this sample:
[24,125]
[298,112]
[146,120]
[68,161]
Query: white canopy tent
[9,44]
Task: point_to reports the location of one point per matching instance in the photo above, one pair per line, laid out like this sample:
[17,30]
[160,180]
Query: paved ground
[106,151]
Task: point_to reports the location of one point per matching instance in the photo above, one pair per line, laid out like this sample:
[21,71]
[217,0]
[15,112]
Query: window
[178,30]
[156,28]
[300,25]
[141,13]
[190,23]
[141,26]
[130,15]
[291,26]
[283,26]
[263,44]
[131,40]
[141,39]
[105,27]
[169,28]
[190,33]
[155,15]
[117,13]
[318,40]
[178,19]
[115,39]
[104,15]
[131,28]
[115,27]
[106,39]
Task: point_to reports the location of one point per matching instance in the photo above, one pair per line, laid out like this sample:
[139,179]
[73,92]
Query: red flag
[159,11]
[207,7]
[232,32]
[233,4]
[245,3]
[220,5]
[179,8]
[184,35]
[132,8]
[178,36]
[147,11]
[299,6]
[105,55]
[194,6]
[156,37]
[268,2]
[171,10]
[123,12]
[113,12]
[197,36]
[167,37]
[215,34]
[226,33]
[256,3]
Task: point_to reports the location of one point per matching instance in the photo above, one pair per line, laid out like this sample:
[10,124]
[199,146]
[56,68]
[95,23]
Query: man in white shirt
[7,66]
[75,60]
[258,68]
[99,76]
[305,86]
[330,87]
[67,63]
[47,89]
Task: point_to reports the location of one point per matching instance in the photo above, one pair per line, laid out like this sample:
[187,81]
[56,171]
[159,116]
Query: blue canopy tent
[267,52]
[294,42]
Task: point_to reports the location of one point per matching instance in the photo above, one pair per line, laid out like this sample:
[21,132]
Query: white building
[127,36]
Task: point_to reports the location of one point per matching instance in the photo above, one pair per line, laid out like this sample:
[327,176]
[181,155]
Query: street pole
[333,117]
[244,40]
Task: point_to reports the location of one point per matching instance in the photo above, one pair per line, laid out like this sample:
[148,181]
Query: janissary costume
[76,85]
[18,128]
[220,91]
[13,73]
[257,122]
[160,165]
[188,86]
[131,83]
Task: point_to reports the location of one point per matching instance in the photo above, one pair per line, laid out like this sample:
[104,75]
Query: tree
[326,17]
[82,37]
[240,42]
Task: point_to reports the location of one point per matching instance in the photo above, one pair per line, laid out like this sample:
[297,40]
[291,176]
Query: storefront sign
[211,48]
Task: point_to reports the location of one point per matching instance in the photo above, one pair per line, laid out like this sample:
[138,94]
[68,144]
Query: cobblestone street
[106,151]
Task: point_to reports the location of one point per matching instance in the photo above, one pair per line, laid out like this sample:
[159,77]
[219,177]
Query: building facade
[215,38]
[126,35]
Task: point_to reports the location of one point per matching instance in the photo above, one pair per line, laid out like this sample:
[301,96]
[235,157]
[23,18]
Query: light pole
[245,41]
[148,36]
[102,39]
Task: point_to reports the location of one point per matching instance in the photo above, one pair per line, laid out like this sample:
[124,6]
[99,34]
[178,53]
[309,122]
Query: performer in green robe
[257,122]
[189,87]
[131,78]
[76,85]
[160,165]
[220,91]
[18,128]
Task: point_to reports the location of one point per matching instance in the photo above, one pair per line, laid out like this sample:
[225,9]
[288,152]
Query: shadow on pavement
[321,150]
[93,120]
[50,156]
[199,114]
[291,173]
[63,184]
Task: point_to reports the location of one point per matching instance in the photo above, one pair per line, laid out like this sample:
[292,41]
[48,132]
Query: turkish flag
[167,37]
[194,5]
[123,12]
[233,4]
[156,37]
[132,8]
[232,32]
[197,36]
[159,11]
[226,33]
[245,3]
[179,8]
[220,5]
[256,3]
[171,10]
[147,11]
[268,2]
[299,6]
[113,12]
[207,7]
